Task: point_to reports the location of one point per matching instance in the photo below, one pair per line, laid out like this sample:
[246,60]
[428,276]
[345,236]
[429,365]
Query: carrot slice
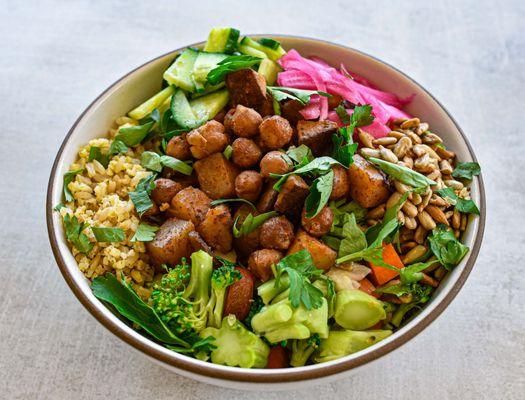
[381,275]
[367,287]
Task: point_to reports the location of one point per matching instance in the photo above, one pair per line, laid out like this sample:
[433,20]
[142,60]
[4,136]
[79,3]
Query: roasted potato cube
[322,255]
[291,111]
[246,244]
[216,228]
[261,261]
[216,176]
[267,198]
[246,87]
[165,190]
[190,204]
[368,185]
[292,195]
[316,134]
[179,148]
[171,243]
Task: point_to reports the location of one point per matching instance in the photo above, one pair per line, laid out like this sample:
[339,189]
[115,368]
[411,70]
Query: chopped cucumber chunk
[191,114]
[270,43]
[204,63]
[149,105]
[250,51]
[180,72]
[181,110]
[269,69]
[273,54]
[222,40]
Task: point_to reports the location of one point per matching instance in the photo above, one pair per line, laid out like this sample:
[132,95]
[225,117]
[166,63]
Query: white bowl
[143,82]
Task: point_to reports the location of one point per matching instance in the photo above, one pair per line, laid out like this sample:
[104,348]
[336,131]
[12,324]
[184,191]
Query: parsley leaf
[74,234]
[390,214]
[96,154]
[68,178]
[402,174]
[466,170]
[251,223]
[176,165]
[320,191]
[300,268]
[103,234]
[117,147]
[154,162]
[300,155]
[134,135]
[230,64]
[317,166]
[222,201]
[460,204]
[302,96]
[448,250]
[144,233]
[140,196]
[354,239]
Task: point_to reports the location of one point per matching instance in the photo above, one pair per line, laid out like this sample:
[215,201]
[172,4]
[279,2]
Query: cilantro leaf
[154,162]
[140,196]
[103,234]
[354,239]
[144,233]
[230,64]
[302,96]
[68,178]
[251,223]
[134,135]
[448,250]
[402,174]
[300,155]
[151,160]
[96,154]
[317,166]
[320,191]
[460,204]
[466,170]
[75,235]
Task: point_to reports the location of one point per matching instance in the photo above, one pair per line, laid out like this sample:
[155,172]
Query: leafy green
[227,153]
[140,196]
[58,207]
[302,96]
[413,272]
[176,165]
[151,160]
[300,155]
[96,154]
[448,250]
[154,162]
[134,135]
[117,147]
[103,234]
[300,268]
[144,233]
[403,174]
[354,239]
[466,170]
[341,207]
[460,204]
[390,214]
[320,191]
[230,64]
[68,178]
[251,223]
[74,234]
[222,201]
[256,306]
[128,304]
[317,166]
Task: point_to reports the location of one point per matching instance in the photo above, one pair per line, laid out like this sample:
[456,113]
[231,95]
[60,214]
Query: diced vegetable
[382,275]
[191,114]
[222,40]
[357,310]
[180,72]
[250,51]
[269,69]
[271,52]
[204,63]
[149,105]
[366,286]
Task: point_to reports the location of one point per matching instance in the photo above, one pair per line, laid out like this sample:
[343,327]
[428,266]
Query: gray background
[57,56]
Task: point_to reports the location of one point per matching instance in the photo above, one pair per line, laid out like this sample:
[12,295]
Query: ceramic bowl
[143,82]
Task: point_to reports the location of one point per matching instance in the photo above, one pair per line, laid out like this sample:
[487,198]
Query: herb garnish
[140,196]
[251,223]
[466,170]
[317,166]
[117,147]
[134,135]
[460,204]
[300,268]
[75,235]
[154,162]
[448,250]
[280,93]
[230,64]
[228,152]
[144,233]
[320,191]
[300,155]
[222,201]
[103,234]
[68,178]
[402,174]
[96,154]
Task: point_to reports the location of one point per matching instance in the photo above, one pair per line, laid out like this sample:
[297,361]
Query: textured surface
[57,56]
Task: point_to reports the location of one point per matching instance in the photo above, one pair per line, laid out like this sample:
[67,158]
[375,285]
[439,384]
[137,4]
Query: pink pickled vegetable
[316,74]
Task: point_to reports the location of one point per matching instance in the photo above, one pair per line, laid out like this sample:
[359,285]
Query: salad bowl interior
[145,81]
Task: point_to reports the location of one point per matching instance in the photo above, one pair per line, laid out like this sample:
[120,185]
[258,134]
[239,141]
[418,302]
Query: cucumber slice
[270,43]
[181,110]
[207,107]
[204,63]
[250,51]
[269,69]
[149,105]
[180,72]
[273,54]
[191,114]
[222,40]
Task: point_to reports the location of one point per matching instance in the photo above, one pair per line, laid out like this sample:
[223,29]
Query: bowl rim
[211,370]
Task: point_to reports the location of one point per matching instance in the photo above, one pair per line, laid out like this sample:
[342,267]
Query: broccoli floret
[303,349]
[236,346]
[281,321]
[269,290]
[221,278]
[357,310]
[342,343]
[257,305]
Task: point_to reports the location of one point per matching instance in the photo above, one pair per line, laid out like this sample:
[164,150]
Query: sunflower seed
[393,199]
[377,212]
[402,146]
[410,222]
[445,167]
[422,128]
[457,185]
[410,123]
[387,154]
[414,254]
[426,220]
[437,214]
[431,138]
[365,138]
[456,219]
[366,152]
[444,153]
[420,234]
[384,141]
[398,135]
[409,209]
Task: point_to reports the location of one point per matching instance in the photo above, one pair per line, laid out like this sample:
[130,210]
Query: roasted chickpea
[245,153]
[275,132]
[164,190]
[320,224]
[274,162]
[207,139]
[178,147]
[341,185]
[248,185]
[261,261]
[277,233]
[243,121]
